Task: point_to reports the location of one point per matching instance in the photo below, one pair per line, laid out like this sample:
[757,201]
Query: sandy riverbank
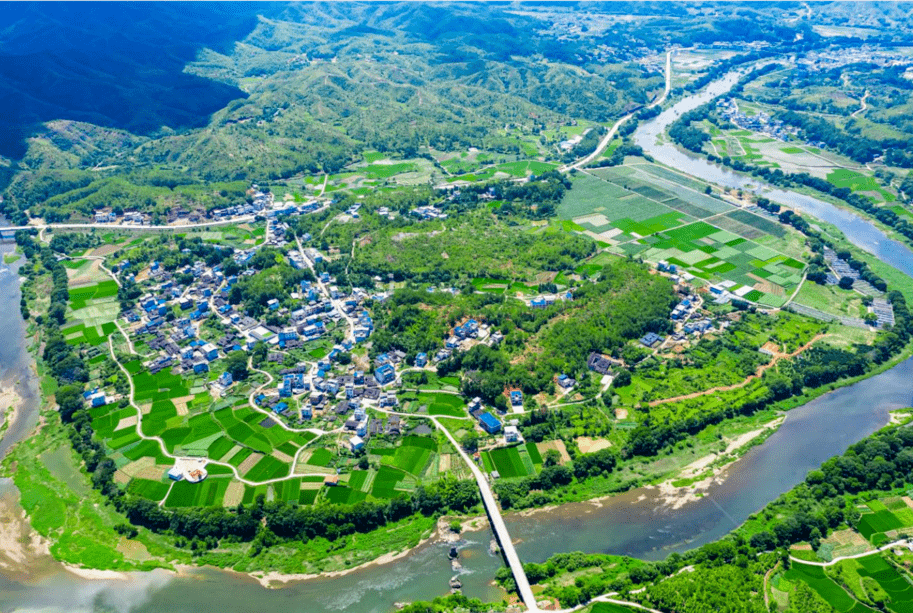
[22,550]
[9,406]
[675,497]
[441,534]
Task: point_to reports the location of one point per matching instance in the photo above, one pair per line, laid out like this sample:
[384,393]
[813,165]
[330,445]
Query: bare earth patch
[127,422]
[250,462]
[181,404]
[558,446]
[621,413]
[589,445]
[153,472]
[133,469]
[282,457]
[677,497]
[133,550]
[121,478]
[103,250]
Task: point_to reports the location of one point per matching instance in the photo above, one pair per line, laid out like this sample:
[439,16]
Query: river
[632,523]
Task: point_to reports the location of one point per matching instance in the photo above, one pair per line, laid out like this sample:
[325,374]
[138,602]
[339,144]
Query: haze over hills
[242,92]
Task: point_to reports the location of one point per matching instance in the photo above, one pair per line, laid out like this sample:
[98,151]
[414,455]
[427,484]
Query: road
[614,130]
[862,105]
[112,226]
[901,542]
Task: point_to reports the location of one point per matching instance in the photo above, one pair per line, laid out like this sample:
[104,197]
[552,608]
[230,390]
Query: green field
[153,490]
[857,182]
[511,461]
[208,492]
[882,518]
[713,254]
[412,456]
[835,595]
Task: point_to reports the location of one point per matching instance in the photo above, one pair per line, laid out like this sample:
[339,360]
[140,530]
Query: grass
[320,457]
[858,182]
[77,520]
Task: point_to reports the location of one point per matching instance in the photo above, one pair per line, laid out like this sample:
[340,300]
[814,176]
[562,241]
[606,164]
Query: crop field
[153,490]
[89,333]
[412,456]
[884,516]
[385,482]
[320,457]
[614,214]
[447,405]
[80,296]
[525,167]
[341,494]
[897,587]
[207,493]
[267,468]
[751,271]
[835,595]
[511,461]
[749,225]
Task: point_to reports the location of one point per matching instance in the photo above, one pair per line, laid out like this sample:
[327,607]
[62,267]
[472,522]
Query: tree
[236,365]
[69,400]
[551,458]
[470,441]
[846,283]
[622,379]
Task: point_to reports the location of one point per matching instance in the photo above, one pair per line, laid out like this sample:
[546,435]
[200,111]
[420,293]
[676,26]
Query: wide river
[634,523]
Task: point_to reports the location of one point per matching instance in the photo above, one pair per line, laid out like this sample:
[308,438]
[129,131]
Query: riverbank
[698,477]
[9,408]
[442,533]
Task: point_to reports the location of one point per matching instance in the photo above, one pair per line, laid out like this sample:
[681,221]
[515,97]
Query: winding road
[614,130]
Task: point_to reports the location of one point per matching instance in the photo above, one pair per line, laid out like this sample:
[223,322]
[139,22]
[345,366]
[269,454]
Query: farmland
[882,520]
[640,213]
[510,462]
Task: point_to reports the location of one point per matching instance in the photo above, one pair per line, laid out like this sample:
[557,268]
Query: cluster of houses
[265,204]
[129,217]
[428,212]
[547,300]
[761,123]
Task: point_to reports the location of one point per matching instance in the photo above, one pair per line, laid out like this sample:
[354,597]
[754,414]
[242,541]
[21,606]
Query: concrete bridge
[498,526]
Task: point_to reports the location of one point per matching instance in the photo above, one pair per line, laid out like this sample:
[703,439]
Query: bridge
[498,526]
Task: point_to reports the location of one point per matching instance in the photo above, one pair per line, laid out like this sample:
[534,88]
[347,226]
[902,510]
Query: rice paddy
[639,212]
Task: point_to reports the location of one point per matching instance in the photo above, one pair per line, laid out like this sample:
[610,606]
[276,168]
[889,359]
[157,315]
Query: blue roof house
[385,374]
[490,423]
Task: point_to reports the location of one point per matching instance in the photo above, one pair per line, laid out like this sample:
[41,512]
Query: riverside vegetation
[504,244]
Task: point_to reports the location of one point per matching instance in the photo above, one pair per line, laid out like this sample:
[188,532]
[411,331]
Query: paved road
[113,226]
[901,542]
[608,137]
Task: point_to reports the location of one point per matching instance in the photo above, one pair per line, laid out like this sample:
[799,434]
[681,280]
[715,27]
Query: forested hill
[100,97]
[116,65]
